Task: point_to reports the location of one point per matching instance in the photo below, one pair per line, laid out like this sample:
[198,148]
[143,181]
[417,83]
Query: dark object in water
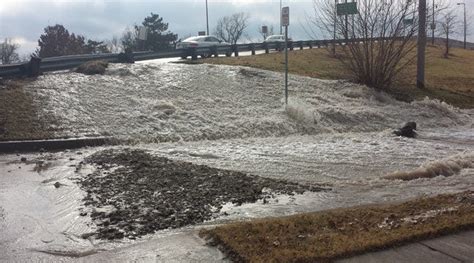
[408,130]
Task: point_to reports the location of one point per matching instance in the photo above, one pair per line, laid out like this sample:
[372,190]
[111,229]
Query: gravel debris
[133,193]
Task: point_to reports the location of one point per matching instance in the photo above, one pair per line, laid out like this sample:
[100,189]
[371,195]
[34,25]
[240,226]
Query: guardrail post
[31,68]
[236,50]
[252,47]
[310,45]
[318,44]
[34,67]
[300,44]
[126,57]
[290,44]
[265,46]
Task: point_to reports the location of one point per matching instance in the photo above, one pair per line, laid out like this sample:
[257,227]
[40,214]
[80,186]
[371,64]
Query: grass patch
[450,80]
[93,67]
[328,235]
[19,119]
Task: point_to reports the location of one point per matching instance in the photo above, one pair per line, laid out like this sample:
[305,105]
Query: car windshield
[193,39]
[274,37]
[211,39]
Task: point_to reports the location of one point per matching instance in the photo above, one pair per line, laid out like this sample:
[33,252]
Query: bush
[93,67]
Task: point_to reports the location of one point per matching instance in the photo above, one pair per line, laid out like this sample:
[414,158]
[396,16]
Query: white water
[332,133]
[173,102]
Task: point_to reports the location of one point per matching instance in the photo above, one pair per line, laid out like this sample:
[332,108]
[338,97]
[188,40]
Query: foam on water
[172,102]
[445,167]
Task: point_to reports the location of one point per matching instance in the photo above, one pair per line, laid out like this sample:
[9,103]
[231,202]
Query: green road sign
[347,9]
[408,21]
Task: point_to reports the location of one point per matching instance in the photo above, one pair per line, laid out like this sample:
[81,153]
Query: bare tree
[265,35]
[129,39]
[114,45]
[448,26]
[231,28]
[434,9]
[377,42]
[8,52]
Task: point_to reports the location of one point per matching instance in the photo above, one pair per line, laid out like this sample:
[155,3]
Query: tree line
[378,37]
[57,40]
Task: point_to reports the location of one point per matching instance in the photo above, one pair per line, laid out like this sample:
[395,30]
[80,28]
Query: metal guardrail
[72,61]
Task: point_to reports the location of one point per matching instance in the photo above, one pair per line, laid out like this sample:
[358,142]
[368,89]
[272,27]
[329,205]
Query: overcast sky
[24,20]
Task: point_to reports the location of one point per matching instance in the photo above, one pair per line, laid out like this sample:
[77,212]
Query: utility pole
[285,18]
[207,19]
[335,21]
[281,26]
[433,26]
[465,24]
[345,27]
[420,75]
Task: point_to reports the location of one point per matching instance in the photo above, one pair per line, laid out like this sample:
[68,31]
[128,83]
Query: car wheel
[228,54]
[184,57]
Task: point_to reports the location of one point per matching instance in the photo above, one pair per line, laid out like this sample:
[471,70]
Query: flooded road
[332,133]
[175,102]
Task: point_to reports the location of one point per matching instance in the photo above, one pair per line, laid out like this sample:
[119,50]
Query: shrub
[93,67]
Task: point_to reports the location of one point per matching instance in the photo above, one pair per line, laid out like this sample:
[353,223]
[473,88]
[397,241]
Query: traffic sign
[347,9]
[408,21]
[285,16]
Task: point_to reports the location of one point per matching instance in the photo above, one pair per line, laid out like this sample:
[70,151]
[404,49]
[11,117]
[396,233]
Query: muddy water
[333,133]
[40,221]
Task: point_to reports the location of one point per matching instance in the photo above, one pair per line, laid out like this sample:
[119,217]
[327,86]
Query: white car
[276,38]
[202,41]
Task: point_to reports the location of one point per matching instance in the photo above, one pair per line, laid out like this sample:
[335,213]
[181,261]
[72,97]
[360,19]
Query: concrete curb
[55,144]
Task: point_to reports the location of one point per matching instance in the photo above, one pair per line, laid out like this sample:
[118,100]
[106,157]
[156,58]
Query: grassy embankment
[19,118]
[328,235]
[450,80]
[19,115]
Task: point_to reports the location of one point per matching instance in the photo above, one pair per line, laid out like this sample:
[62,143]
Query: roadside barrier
[38,65]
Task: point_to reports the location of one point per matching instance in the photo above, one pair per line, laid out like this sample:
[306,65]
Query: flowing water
[332,133]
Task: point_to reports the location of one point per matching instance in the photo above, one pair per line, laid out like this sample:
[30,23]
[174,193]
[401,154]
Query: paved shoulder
[452,248]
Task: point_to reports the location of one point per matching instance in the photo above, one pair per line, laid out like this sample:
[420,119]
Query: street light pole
[334,33]
[433,25]
[207,19]
[465,23]
[281,26]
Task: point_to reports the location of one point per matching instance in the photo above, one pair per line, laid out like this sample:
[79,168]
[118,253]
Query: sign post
[142,37]
[285,18]
[264,32]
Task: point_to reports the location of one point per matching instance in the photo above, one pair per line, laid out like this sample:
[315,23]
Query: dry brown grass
[93,67]
[328,235]
[19,119]
[450,80]
[314,63]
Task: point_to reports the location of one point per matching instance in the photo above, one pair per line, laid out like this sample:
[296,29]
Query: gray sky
[24,20]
